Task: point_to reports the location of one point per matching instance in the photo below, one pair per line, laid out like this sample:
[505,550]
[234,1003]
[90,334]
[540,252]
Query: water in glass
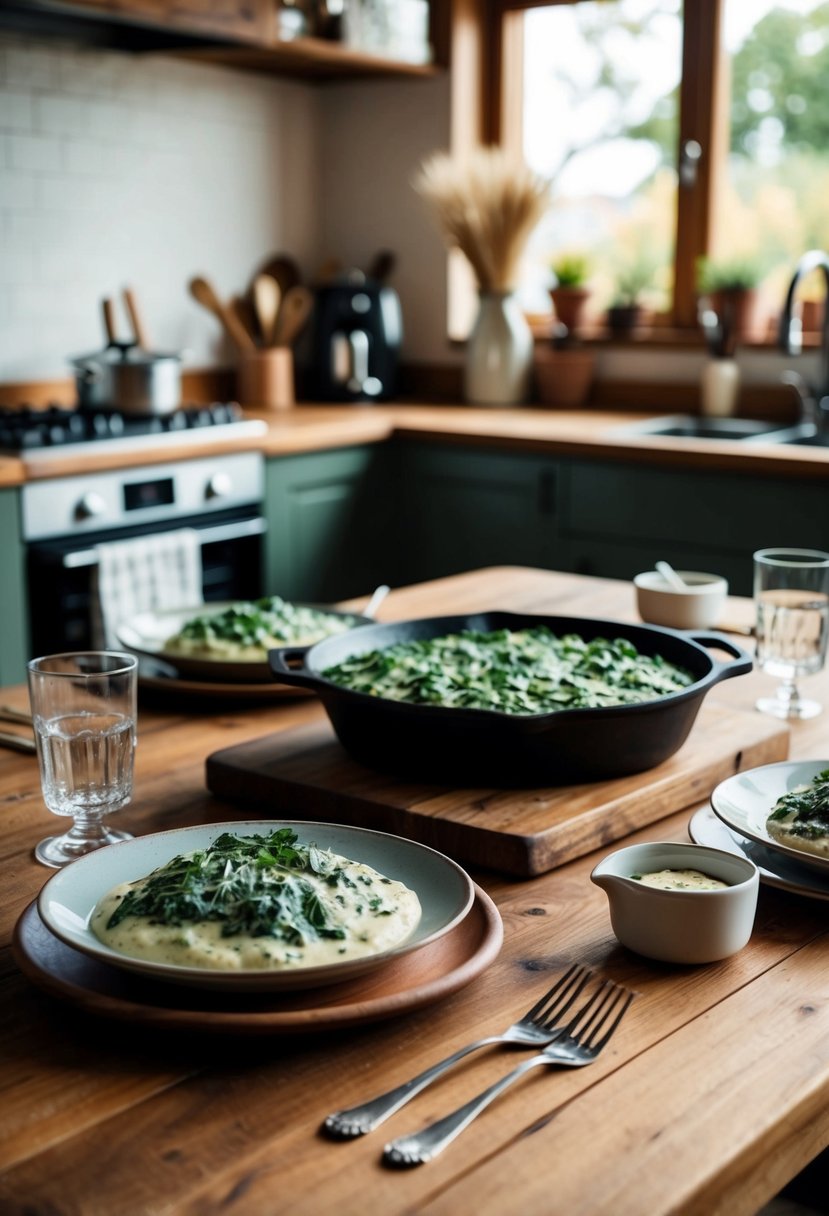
[792,632]
[86,762]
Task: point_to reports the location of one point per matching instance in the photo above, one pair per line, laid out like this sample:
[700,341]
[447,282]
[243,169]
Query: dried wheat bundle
[487,204]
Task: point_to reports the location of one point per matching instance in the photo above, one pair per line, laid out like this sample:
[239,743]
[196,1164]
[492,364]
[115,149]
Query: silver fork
[534,1029]
[579,1043]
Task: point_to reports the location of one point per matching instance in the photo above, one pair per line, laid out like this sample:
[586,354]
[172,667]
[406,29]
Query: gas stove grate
[29,431]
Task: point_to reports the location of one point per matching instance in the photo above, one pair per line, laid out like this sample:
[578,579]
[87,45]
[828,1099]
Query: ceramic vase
[499,353]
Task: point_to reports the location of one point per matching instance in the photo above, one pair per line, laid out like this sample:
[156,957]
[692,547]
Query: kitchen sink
[745,430]
[690,426]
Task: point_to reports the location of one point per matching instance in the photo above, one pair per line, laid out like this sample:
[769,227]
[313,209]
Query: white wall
[135,170]
[373,137]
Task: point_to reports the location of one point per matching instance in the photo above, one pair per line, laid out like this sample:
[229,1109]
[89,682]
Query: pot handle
[741,663]
[280,661]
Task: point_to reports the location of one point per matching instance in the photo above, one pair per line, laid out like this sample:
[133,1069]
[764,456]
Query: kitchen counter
[311,428]
[713,1094]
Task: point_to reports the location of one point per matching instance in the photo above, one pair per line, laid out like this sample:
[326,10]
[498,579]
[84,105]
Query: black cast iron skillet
[473,746]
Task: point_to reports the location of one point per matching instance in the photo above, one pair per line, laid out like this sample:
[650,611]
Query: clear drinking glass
[791,597]
[84,712]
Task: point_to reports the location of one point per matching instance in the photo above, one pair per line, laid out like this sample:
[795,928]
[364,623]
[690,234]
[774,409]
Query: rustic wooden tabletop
[710,1097]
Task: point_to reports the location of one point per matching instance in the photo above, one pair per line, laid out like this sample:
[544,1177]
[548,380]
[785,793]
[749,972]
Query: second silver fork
[579,1043]
[538,1026]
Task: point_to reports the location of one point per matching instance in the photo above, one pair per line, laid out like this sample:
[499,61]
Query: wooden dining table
[711,1096]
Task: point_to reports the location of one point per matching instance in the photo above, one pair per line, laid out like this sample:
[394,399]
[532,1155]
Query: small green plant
[727,274]
[631,281]
[571,269]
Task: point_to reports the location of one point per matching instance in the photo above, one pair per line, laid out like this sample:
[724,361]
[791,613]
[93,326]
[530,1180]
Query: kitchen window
[672,133]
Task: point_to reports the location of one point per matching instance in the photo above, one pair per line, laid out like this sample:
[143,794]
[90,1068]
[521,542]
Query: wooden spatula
[205,294]
[295,311]
[267,298]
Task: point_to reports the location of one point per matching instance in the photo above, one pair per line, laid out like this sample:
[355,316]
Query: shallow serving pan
[474,746]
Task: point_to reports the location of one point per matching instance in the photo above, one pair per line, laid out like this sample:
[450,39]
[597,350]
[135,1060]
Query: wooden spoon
[203,292]
[108,309]
[282,268]
[267,297]
[135,318]
[295,311]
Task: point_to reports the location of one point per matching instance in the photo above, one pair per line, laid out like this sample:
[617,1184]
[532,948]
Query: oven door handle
[207,536]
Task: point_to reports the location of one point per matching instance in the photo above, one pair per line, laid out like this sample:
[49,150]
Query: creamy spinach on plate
[800,819]
[257,902]
[526,671]
[248,629]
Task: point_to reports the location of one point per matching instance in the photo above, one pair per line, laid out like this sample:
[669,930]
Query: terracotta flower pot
[563,378]
[568,303]
[737,309]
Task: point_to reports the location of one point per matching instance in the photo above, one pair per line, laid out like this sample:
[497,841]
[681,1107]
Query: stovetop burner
[26,431]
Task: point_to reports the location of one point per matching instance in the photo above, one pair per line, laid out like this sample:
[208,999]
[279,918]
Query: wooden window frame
[486,109]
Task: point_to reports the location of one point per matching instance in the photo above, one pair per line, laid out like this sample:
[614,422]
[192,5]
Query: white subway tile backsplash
[140,170]
[83,157]
[37,153]
[57,114]
[17,111]
[18,191]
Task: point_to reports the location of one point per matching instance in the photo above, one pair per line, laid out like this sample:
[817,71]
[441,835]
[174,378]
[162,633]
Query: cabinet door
[331,519]
[465,509]
[14,635]
[619,518]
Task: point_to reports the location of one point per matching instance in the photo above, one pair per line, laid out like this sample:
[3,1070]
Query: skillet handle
[280,661]
[741,663]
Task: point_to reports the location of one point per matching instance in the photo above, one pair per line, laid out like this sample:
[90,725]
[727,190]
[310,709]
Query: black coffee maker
[356,335]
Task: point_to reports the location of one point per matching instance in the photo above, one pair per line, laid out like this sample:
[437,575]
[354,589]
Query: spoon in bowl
[670,576]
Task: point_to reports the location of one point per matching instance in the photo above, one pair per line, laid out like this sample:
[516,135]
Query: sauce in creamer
[680,880]
[377,914]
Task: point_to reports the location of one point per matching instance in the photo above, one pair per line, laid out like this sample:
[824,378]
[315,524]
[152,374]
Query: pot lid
[120,353]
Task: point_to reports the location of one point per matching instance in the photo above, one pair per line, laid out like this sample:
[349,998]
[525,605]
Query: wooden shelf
[311,58]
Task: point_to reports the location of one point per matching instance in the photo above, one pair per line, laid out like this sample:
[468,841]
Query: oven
[64,519]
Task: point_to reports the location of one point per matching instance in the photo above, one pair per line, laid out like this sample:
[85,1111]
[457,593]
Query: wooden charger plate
[407,983]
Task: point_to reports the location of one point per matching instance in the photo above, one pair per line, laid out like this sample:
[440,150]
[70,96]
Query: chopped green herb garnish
[810,807]
[530,671]
[262,622]
[251,884]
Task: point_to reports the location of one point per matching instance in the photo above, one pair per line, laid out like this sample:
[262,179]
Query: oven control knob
[90,506]
[218,486]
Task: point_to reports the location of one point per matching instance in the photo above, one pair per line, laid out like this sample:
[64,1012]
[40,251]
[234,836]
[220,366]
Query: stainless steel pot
[130,379]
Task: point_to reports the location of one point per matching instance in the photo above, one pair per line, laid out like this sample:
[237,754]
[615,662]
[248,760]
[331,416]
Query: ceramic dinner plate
[775,870]
[147,634]
[68,898]
[745,801]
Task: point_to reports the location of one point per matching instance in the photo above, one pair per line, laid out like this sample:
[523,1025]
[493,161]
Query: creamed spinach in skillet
[527,671]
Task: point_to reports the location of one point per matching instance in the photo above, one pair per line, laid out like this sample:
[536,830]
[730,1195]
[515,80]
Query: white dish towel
[145,574]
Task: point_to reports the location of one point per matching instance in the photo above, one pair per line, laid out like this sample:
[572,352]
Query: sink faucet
[813,398]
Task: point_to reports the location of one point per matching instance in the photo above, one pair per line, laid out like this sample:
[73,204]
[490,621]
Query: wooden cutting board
[306,774]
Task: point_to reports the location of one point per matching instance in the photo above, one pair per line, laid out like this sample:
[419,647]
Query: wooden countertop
[714,1093]
[586,433]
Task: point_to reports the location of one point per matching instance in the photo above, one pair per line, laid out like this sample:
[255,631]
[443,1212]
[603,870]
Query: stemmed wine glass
[791,597]
[84,711]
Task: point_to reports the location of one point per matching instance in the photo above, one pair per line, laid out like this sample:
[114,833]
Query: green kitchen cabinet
[331,523]
[618,519]
[465,508]
[14,634]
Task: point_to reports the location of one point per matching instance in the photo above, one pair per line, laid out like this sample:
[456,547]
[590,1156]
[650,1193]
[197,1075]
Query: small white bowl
[699,606]
[694,926]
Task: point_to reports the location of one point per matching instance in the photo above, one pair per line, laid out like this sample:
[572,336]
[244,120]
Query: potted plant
[625,311]
[570,292]
[730,287]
